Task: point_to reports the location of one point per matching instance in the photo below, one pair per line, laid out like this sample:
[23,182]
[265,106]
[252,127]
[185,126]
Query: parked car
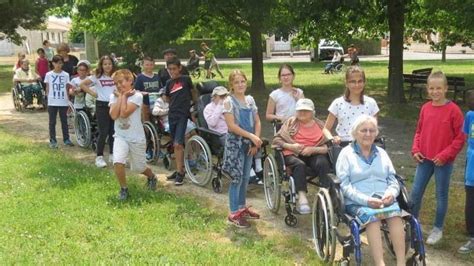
[325,50]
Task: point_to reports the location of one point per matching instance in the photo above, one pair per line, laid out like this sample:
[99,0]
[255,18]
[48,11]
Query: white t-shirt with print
[346,114]
[130,129]
[285,102]
[57,95]
[104,86]
[80,98]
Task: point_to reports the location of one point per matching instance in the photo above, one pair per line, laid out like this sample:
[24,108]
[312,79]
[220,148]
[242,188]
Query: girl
[282,102]
[243,141]
[104,88]
[56,81]
[437,141]
[74,89]
[351,105]
[42,64]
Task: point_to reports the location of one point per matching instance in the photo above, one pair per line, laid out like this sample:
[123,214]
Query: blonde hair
[233,74]
[123,73]
[63,47]
[437,75]
[362,120]
[352,70]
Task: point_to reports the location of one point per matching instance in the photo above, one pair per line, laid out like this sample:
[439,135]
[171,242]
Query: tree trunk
[258,81]
[443,54]
[396,20]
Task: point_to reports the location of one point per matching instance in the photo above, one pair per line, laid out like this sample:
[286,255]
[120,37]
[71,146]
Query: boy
[129,135]
[179,94]
[469,175]
[147,82]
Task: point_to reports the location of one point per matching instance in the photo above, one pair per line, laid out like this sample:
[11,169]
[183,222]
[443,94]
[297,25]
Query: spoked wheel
[340,68]
[152,141]
[16,102]
[324,226]
[271,183]
[197,160]
[82,129]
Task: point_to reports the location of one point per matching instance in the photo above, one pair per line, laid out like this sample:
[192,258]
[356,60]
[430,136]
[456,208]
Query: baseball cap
[304,104]
[170,50]
[219,90]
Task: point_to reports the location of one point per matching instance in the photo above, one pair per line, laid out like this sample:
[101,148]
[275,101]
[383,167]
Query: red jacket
[439,132]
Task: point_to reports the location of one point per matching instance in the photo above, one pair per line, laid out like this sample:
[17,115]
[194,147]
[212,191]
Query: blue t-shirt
[469,130]
[147,84]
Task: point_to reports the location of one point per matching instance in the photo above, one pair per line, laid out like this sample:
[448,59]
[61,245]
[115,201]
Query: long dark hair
[99,71]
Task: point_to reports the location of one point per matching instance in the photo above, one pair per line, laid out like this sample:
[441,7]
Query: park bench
[422,71]
[458,86]
[416,83]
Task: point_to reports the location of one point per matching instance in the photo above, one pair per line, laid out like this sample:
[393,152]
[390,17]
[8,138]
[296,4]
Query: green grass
[56,210]
[6,76]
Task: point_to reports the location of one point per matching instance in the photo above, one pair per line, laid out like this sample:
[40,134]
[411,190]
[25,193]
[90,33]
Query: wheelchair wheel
[271,183]
[197,160]
[82,129]
[16,100]
[324,226]
[340,68]
[152,141]
[71,114]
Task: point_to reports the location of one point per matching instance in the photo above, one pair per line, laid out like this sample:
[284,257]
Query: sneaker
[179,179]
[53,144]
[172,176]
[68,142]
[152,183]
[467,248]
[303,208]
[435,236]
[249,214]
[123,194]
[238,220]
[99,162]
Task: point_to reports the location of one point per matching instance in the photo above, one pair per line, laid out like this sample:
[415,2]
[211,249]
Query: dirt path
[34,125]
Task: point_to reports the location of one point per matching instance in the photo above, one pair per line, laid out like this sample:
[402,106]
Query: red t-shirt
[42,66]
[439,132]
[308,136]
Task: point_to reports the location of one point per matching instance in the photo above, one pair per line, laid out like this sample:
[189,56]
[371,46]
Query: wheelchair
[339,67]
[155,134]
[19,99]
[85,128]
[328,212]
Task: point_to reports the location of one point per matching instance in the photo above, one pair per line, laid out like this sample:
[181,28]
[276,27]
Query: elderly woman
[370,188]
[70,61]
[303,140]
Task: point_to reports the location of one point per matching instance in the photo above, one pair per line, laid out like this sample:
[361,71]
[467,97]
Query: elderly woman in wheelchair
[370,189]
[28,85]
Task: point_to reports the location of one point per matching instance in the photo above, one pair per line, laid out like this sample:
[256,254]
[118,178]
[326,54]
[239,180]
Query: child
[469,175]
[282,102]
[213,111]
[210,61]
[243,141]
[351,105]
[147,82]
[29,82]
[437,141]
[179,94]
[42,64]
[56,81]
[129,134]
[74,86]
[104,87]
[48,50]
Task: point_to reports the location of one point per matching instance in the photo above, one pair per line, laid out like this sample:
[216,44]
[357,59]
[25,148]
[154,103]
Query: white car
[326,49]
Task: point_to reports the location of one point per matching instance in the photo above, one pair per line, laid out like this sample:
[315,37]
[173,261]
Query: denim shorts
[178,129]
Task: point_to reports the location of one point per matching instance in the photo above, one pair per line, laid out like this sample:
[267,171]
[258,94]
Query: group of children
[122,101]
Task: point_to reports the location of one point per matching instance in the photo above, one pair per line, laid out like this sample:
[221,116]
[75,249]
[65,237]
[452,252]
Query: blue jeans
[423,174]
[238,191]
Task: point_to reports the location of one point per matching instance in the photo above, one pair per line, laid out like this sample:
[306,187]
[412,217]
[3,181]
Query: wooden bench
[458,86]
[422,71]
[416,83]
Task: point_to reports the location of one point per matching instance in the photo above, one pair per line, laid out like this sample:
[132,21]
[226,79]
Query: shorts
[178,129]
[189,127]
[136,150]
[207,64]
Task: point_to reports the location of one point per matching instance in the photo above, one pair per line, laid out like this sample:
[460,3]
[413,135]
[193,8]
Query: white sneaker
[99,162]
[435,236]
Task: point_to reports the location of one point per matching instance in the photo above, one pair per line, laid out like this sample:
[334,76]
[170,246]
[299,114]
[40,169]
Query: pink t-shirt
[42,66]
[308,136]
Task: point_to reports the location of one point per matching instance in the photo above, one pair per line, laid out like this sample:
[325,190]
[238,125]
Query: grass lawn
[56,210]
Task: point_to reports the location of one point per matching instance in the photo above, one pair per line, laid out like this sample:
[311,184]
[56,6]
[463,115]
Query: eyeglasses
[367,130]
[286,75]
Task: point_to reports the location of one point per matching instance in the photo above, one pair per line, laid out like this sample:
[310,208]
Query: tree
[22,13]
